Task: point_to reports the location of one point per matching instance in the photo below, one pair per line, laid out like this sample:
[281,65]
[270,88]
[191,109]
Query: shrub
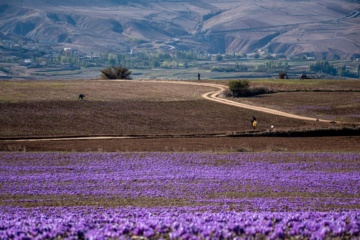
[239,87]
[115,73]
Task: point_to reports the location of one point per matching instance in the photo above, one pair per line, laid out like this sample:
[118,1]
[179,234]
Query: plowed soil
[176,112]
[182,144]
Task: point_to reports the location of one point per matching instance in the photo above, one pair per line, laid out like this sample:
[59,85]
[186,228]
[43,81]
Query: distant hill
[321,28]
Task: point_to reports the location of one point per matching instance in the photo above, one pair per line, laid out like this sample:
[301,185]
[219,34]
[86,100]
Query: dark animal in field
[81,96]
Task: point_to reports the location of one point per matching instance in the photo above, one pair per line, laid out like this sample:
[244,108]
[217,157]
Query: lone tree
[115,73]
[283,75]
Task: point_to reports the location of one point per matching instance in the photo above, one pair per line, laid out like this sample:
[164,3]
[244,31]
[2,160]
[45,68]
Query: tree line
[186,59]
[328,68]
[138,60]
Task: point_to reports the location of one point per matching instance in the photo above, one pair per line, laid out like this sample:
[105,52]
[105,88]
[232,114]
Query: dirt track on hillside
[211,96]
[214,96]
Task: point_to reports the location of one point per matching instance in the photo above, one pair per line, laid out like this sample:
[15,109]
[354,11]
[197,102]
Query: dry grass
[95,90]
[307,85]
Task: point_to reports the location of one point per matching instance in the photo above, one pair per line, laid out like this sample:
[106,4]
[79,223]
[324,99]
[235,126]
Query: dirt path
[211,96]
[214,96]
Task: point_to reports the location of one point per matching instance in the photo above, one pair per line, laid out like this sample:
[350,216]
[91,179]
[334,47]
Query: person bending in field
[253,122]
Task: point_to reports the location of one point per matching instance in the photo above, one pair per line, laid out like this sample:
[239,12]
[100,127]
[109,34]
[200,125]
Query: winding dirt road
[214,96]
[211,96]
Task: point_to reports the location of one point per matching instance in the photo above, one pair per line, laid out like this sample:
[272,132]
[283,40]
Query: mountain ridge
[324,28]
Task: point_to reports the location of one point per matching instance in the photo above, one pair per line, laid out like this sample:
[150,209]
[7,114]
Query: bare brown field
[191,144]
[336,106]
[50,109]
[82,118]
[97,90]
[337,100]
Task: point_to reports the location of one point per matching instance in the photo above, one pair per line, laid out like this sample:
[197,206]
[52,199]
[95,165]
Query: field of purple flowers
[179,195]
